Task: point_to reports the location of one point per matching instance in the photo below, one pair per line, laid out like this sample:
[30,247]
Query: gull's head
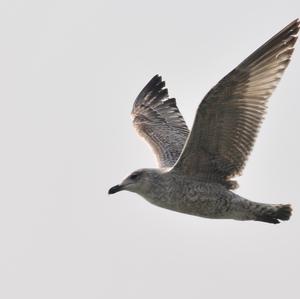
[140,181]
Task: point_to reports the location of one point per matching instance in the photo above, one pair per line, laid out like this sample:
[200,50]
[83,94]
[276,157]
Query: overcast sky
[70,71]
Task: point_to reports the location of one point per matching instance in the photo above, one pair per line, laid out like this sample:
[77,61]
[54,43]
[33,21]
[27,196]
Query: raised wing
[229,117]
[158,120]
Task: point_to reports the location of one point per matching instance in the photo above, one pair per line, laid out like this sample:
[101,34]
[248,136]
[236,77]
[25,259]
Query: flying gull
[196,167]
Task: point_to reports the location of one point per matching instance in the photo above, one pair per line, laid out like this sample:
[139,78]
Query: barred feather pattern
[228,119]
[158,120]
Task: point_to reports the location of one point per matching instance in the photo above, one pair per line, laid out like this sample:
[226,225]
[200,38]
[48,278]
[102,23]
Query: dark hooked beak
[115,189]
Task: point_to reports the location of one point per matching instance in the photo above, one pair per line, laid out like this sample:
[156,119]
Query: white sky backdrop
[69,72]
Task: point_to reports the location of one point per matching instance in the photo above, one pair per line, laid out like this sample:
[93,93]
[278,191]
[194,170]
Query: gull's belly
[195,198]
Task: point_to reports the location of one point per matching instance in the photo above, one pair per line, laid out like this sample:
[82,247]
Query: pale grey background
[70,71]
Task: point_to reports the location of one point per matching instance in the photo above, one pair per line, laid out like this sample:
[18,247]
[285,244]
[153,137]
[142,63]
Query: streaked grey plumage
[196,167]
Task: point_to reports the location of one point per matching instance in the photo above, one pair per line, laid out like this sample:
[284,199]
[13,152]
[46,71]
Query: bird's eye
[134,176]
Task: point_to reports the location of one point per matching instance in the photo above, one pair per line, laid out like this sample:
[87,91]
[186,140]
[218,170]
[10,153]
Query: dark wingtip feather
[154,80]
[154,88]
[285,38]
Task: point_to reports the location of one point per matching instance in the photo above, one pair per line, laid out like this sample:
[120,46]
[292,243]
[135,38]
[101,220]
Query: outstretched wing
[158,120]
[229,117]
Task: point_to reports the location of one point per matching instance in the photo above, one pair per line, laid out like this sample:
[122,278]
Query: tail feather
[274,213]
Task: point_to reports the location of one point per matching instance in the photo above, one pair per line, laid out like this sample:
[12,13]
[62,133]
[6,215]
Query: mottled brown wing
[158,120]
[229,117]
